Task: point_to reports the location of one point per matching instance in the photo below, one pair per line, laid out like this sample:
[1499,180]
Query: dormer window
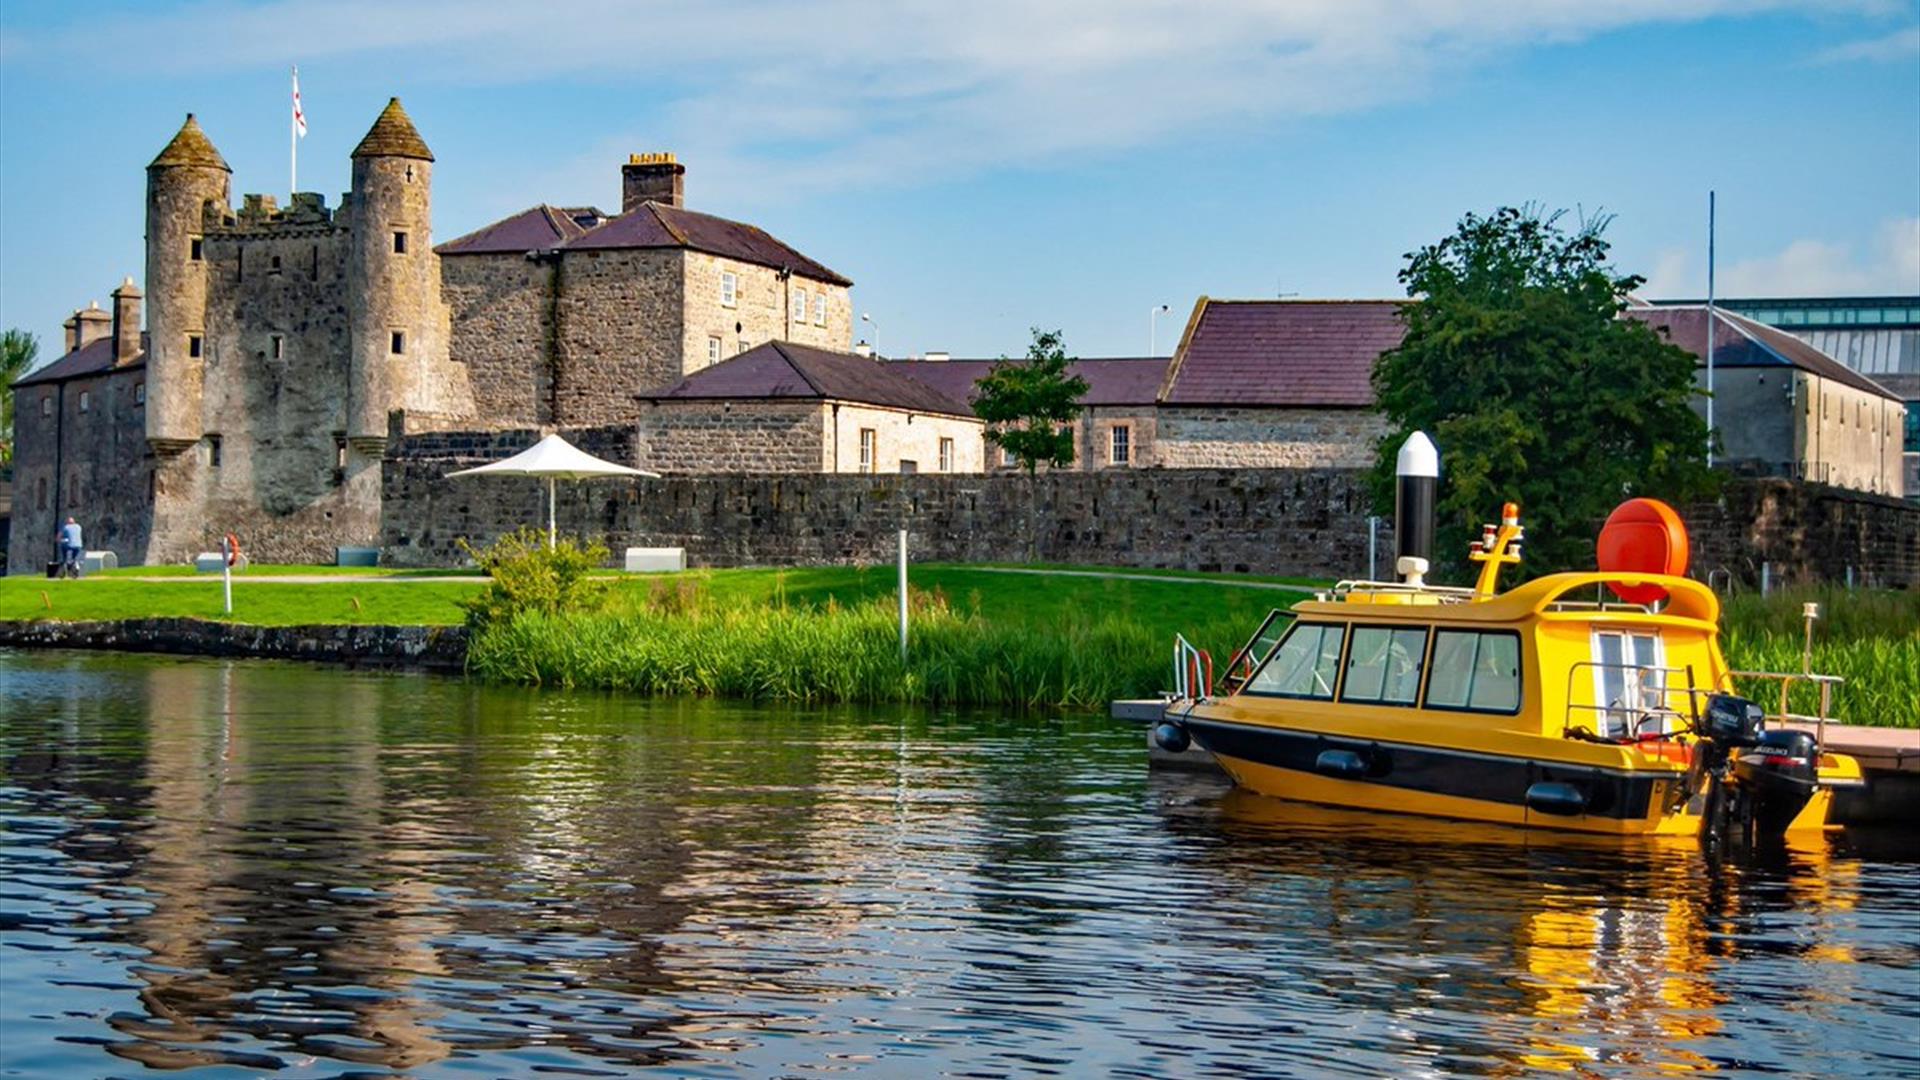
[399,243]
[729,289]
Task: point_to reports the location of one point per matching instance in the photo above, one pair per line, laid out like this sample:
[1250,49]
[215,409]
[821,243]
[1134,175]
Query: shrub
[528,577]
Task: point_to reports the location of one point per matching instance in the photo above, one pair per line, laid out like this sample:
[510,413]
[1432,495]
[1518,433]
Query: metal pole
[903,596]
[1373,546]
[293,139]
[1710,209]
[552,533]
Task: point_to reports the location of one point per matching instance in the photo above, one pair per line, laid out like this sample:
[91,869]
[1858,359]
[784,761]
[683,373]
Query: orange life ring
[233,550]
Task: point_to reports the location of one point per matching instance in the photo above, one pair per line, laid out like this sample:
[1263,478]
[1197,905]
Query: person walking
[71,548]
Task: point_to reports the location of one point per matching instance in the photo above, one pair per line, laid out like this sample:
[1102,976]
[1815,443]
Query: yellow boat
[1551,705]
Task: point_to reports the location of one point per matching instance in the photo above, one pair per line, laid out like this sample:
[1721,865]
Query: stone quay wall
[431,648]
[1275,521]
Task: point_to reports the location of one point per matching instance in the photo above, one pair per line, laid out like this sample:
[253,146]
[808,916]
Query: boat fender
[1559,799]
[1173,738]
[1341,764]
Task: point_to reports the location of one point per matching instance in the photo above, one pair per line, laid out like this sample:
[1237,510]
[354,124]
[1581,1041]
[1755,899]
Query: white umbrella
[554,458]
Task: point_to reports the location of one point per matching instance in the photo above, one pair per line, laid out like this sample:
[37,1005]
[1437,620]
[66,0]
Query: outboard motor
[1779,775]
[1757,781]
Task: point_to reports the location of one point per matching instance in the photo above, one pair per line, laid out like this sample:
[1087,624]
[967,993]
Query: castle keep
[285,346]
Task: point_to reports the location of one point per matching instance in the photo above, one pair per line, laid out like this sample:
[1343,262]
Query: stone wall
[681,437]
[618,332]
[762,311]
[502,307]
[1211,438]
[433,648]
[1805,533]
[90,464]
[900,437]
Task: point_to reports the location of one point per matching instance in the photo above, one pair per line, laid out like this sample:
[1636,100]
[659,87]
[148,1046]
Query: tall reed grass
[1870,638]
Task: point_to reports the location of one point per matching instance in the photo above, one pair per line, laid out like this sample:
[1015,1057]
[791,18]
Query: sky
[984,168]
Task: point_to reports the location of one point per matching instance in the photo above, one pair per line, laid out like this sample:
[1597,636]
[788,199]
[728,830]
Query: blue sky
[981,168]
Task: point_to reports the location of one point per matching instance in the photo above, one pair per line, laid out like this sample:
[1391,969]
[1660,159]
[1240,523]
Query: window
[213,451]
[1305,665]
[740,346]
[46,405]
[1006,456]
[398,346]
[139,393]
[195,249]
[800,306]
[1383,665]
[1119,448]
[86,400]
[1475,671]
[866,449]
[713,350]
[399,243]
[946,455]
[819,309]
[339,450]
[273,267]
[193,345]
[275,345]
[1626,682]
[729,289]
[909,467]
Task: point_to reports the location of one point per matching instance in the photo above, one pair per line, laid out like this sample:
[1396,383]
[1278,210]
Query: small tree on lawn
[1029,405]
[17,351]
[1517,362]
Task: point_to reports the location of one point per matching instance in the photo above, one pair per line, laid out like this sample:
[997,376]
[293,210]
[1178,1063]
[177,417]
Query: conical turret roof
[190,147]
[393,135]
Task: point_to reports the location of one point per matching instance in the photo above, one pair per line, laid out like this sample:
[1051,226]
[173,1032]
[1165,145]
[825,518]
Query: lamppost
[868,319]
[1153,328]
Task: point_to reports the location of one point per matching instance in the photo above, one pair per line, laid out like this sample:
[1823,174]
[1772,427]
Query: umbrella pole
[552,533]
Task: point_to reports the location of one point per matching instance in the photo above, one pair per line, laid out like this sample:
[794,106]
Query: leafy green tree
[1029,405]
[17,351]
[1517,362]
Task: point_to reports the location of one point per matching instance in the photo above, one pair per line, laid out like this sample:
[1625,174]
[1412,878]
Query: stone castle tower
[185,183]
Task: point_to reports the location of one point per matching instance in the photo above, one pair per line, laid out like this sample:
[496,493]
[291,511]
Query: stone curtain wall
[1279,521]
[748,436]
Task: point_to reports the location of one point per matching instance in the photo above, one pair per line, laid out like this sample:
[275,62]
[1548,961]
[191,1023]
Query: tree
[1517,362]
[1029,405]
[17,351]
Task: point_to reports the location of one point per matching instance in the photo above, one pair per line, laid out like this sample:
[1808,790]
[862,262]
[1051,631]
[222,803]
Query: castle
[285,346]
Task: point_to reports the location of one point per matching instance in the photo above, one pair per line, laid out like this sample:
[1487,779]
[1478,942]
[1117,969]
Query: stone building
[1115,428]
[789,408]
[285,345]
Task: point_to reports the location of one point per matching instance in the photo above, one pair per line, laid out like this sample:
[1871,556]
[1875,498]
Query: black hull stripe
[1431,770]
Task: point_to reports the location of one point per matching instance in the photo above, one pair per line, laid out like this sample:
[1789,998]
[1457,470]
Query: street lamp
[868,319]
[1153,328]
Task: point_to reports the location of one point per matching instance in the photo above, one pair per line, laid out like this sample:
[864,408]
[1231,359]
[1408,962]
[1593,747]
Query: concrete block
[655,560]
[95,561]
[356,556]
[209,562]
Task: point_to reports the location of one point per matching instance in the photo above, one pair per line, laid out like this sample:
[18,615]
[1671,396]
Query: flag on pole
[299,114]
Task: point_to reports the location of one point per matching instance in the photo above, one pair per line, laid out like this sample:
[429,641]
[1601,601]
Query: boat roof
[1543,598]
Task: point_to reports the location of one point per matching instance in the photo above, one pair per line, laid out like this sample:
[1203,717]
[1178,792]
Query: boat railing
[1600,605]
[1446,594]
[1787,679]
[1192,671]
[1637,715]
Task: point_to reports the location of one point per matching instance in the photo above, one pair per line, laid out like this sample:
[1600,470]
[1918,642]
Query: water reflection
[276,867]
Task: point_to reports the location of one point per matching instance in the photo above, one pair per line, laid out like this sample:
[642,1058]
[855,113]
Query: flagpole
[293,140]
[1709,328]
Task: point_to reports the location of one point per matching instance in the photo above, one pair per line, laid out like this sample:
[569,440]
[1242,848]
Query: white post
[903,596]
[1766,578]
[553,534]
[1709,329]
[226,574]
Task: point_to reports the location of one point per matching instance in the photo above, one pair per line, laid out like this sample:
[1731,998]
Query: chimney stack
[652,178]
[92,324]
[72,327]
[126,322]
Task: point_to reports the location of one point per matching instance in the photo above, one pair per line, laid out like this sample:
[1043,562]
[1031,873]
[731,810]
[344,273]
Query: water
[232,868]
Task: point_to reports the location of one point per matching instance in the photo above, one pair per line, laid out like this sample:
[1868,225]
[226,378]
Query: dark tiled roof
[393,135]
[1741,342]
[1112,381]
[657,225]
[781,369]
[93,358]
[537,228]
[1283,352]
[190,146]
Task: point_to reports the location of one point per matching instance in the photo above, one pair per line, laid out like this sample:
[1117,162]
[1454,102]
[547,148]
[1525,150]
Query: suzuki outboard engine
[1757,781]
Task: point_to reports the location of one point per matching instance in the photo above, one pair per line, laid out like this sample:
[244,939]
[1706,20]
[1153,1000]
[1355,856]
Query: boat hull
[1445,782]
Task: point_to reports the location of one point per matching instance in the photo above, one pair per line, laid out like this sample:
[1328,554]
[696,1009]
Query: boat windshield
[1305,665]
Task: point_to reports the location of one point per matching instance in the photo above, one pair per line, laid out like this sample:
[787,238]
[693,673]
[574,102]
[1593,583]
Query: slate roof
[190,146]
[1110,381]
[93,358]
[657,225]
[537,228]
[393,135]
[1282,352]
[783,370]
[1741,342]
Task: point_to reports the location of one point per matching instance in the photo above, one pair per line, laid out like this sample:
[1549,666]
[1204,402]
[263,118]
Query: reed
[1870,638]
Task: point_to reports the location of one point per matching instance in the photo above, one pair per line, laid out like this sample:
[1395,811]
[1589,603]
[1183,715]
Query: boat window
[1305,665]
[1475,671]
[1260,644]
[1628,684]
[1383,665]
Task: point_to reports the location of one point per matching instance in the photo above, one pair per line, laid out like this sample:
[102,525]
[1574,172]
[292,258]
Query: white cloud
[833,90]
[1890,264]
[1899,45]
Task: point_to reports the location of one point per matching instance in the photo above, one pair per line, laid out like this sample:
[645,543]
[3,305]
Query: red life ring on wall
[233,550]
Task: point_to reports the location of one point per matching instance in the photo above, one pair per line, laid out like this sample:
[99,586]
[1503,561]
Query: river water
[229,868]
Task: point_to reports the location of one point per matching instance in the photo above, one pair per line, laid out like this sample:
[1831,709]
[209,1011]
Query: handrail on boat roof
[1687,598]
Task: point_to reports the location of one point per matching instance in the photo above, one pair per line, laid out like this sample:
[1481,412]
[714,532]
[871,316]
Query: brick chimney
[91,324]
[126,322]
[651,178]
